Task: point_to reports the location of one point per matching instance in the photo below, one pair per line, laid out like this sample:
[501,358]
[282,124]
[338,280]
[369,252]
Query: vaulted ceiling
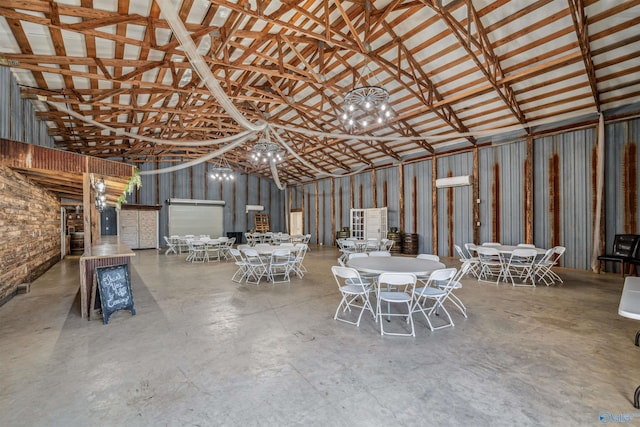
[112,80]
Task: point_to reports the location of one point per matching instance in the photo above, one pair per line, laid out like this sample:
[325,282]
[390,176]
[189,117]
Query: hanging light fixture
[221,170]
[99,190]
[365,105]
[265,151]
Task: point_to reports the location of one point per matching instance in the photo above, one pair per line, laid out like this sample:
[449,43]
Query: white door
[375,223]
[295,223]
[128,223]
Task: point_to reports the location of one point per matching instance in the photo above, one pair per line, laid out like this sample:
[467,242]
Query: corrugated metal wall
[622,180]
[455,209]
[418,203]
[194,183]
[387,192]
[18,120]
[564,202]
[502,193]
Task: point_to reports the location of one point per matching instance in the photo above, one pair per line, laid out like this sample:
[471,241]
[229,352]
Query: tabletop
[508,249]
[630,299]
[395,264]
[267,250]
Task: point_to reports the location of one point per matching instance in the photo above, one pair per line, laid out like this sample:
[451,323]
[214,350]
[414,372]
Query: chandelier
[266,151]
[99,190]
[221,170]
[365,105]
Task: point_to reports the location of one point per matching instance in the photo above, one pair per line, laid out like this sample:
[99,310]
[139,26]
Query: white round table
[395,264]
[508,249]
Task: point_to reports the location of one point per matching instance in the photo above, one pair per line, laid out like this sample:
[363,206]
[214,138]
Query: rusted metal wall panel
[502,193]
[342,202]
[564,195]
[278,211]
[296,197]
[362,191]
[310,211]
[324,212]
[621,180]
[387,193]
[5,107]
[455,214]
[417,203]
[147,191]
[165,184]
[198,175]
[18,116]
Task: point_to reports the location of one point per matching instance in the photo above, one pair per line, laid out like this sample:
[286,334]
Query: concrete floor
[205,351]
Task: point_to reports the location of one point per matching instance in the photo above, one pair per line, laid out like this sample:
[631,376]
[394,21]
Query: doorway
[295,223]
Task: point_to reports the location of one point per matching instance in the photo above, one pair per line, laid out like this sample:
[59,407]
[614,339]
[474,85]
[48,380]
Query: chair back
[624,244]
[460,253]
[429,257]
[523,255]
[471,248]
[380,253]
[492,244]
[341,274]
[358,255]
[526,245]
[401,282]
[280,256]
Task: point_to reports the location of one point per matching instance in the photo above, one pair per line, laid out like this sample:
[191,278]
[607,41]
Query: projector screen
[196,217]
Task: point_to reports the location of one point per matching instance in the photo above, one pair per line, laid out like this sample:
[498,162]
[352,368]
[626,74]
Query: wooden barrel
[397,241]
[342,234]
[410,244]
[77,243]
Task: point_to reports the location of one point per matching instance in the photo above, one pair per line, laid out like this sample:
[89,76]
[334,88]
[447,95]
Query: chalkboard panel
[114,288]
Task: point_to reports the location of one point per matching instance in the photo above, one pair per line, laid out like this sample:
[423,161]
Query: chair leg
[637,339]
[636,398]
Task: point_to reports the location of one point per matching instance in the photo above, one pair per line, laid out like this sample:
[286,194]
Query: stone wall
[29,231]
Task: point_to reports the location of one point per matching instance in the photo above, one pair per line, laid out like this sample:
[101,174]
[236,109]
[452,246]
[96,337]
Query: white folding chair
[491,264]
[521,264]
[437,288]
[256,268]
[398,289]
[351,287]
[297,259]
[197,251]
[543,267]
[489,244]
[348,247]
[454,285]
[474,262]
[171,246]
[213,249]
[429,257]
[239,260]
[280,265]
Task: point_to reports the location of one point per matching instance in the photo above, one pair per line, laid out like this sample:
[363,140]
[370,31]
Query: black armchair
[625,247]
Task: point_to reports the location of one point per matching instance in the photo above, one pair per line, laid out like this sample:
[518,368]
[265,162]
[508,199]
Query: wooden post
[434,204]
[351,198]
[304,211]
[528,193]
[401,196]
[374,189]
[315,188]
[333,210]
[87,207]
[476,197]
